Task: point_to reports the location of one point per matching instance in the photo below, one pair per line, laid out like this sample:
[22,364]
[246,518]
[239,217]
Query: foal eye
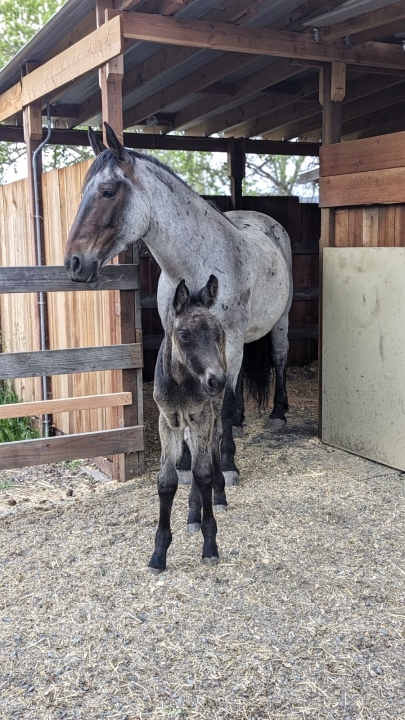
[184,336]
[109,193]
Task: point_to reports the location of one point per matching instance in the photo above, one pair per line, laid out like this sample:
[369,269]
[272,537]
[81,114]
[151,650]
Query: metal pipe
[37,216]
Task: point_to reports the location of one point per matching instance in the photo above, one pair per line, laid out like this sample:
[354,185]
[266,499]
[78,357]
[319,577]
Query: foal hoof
[184,477]
[193,528]
[275,425]
[231,477]
[155,571]
[210,560]
[237,431]
[220,508]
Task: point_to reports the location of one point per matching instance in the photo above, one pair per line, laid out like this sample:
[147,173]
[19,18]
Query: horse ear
[96,144]
[209,293]
[114,144]
[181,297]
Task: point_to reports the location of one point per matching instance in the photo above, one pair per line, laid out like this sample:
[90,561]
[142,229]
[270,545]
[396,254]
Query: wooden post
[124,304]
[331,77]
[236,170]
[32,124]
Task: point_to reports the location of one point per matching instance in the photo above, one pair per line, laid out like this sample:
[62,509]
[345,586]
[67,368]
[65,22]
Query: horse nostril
[216,382]
[75,264]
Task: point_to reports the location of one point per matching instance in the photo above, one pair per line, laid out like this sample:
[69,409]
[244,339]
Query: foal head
[198,338]
[114,210]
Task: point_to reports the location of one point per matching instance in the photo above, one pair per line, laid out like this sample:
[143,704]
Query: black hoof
[275,425]
[155,571]
[231,477]
[193,528]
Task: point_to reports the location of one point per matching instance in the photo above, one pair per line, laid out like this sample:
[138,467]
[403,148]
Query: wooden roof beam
[366,21]
[252,40]
[255,108]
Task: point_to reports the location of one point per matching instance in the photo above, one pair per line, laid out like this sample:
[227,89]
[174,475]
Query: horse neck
[178,218]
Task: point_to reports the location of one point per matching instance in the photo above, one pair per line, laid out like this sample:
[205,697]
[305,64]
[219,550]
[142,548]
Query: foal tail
[256,367]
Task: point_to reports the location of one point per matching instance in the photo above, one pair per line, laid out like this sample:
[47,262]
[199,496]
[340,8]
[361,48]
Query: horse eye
[184,336]
[109,193]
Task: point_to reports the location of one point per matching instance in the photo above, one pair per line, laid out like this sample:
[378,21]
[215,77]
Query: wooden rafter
[89,53]
[230,38]
[374,19]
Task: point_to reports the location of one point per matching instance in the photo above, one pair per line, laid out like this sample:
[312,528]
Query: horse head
[198,337]
[113,213]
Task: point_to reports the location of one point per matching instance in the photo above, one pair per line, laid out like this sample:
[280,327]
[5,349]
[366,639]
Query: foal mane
[108,159]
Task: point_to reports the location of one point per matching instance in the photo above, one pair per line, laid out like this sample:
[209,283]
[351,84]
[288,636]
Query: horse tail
[256,367]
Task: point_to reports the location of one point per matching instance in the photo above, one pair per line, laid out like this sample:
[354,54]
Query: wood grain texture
[11,102]
[32,409]
[365,188]
[87,54]
[55,279]
[74,360]
[233,38]
[71,447]
[375,153]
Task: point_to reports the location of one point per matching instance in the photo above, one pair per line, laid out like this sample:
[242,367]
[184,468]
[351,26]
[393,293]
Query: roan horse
[128,196]
[190,380]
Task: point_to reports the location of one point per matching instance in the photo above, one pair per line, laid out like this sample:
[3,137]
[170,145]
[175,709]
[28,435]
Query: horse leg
[167,486]
[228,447]
[279,350]
[220,503]
[194,508]
[239,416]
[203,474]
[184,473]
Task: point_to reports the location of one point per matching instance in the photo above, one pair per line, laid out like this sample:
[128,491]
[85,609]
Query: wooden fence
[94,322]
[302,222]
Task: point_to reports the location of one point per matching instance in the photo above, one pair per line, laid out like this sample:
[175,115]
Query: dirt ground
[304,617]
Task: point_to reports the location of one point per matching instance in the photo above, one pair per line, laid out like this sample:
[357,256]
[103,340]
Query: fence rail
[54,278]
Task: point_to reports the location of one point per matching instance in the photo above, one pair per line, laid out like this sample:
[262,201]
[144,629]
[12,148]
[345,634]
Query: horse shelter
[292,78]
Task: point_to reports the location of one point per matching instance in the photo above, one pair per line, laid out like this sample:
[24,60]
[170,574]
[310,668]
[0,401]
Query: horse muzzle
[214,383]
[81,269]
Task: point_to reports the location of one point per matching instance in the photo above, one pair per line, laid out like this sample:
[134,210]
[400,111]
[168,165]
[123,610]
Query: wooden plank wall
[17,328]
[372,226]
[75,319]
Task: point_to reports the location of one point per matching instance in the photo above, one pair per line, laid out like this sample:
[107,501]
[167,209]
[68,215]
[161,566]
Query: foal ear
[181,297]
[209,293]
[114,144]
[96,144]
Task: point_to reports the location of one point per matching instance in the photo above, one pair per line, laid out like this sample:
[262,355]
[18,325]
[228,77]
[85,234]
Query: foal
[190,380]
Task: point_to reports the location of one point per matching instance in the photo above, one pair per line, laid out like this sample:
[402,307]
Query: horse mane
[107,158]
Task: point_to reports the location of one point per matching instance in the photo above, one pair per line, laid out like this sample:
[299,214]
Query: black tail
[256,367]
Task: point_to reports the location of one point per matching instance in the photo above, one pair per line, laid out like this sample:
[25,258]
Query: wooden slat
[149,300]
[29,409]
[233,38]
[359,23]
[71,447]
[11,102]
[74,360]
[375,153]
[87,54]
[55,279]
[365,188]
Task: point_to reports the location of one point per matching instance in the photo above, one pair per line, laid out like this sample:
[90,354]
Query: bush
[13,429]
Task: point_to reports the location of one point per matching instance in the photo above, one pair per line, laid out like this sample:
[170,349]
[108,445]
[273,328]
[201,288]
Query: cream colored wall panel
[363,400]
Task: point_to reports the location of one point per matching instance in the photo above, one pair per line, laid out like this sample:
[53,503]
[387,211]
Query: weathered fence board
[71,447]
[47,407]
[74,360]
[55,279]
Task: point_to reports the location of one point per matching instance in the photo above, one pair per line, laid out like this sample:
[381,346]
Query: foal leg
[279,342]
[220,503]
[171,441]
[228,447]
[204,477]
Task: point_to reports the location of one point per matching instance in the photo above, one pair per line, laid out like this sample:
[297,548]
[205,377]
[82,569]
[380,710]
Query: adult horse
[128,196]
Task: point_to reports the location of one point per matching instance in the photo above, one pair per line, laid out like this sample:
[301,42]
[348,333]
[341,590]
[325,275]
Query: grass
[13,429]
[6,484]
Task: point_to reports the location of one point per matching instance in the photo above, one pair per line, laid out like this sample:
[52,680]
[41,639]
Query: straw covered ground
[303,618]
